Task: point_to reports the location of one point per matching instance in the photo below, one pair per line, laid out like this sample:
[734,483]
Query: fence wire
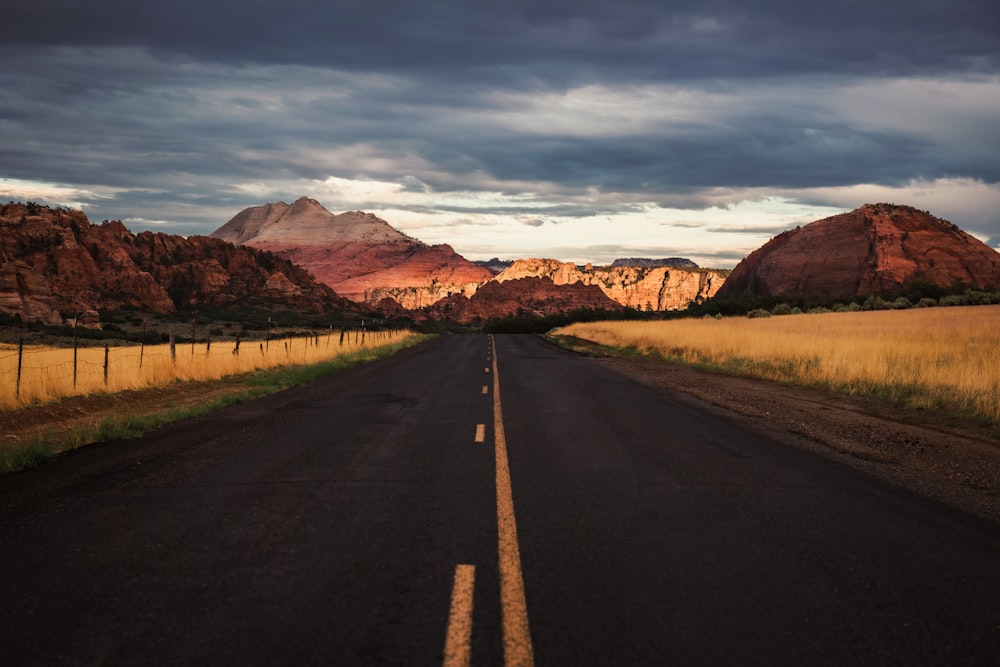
[37,373]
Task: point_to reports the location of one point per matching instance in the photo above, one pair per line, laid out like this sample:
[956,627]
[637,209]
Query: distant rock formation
[55,265]
[496,265]
[359,255]
[533,297]
[876,249]
[642,288]
[673,262]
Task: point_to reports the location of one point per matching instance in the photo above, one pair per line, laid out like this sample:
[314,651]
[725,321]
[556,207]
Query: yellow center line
[458,641]
[480,432]
[517,649]
[486,390]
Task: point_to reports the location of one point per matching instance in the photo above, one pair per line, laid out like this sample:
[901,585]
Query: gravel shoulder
[951,460]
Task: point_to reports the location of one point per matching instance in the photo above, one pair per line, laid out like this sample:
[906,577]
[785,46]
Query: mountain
[639,287]
[357,254]
[305,222]
[876,249]
[496,265]
[55,264]
[535,297]
[674,262]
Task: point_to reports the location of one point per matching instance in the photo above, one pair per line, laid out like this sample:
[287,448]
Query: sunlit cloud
[54,194]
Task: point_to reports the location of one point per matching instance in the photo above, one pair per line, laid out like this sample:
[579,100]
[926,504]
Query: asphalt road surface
[406,512]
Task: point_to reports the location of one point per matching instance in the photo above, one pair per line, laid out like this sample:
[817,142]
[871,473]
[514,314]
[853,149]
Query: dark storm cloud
[182,107]
[554,40]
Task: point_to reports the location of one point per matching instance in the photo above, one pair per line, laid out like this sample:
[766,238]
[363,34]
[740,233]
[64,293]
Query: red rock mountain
[640,287]
[54,264]
[875,249]
[357,254]
[537,297]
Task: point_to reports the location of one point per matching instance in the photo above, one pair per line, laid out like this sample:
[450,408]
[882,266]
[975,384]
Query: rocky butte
[876,249]
[55,265]
[531,297]
[640,287]
[359,255]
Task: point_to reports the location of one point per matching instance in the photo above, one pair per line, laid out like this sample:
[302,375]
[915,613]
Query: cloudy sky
[583,130]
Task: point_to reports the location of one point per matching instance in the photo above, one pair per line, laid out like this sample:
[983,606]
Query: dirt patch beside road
[955,461]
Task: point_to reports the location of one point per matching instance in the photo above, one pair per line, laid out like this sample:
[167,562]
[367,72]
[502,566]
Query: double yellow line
[517,648]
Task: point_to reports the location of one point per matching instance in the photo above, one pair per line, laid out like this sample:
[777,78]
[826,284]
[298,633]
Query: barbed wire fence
[31,373]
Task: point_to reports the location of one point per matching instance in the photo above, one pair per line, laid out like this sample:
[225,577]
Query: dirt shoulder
[950,460]
[56,421]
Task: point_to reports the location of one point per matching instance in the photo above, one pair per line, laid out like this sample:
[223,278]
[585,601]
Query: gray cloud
[174,112]
[554,40]
[736,229]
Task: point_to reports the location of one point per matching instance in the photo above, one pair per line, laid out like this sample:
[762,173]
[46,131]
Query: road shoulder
[953,461]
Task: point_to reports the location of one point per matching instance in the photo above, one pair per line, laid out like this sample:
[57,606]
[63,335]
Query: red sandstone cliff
[875,249]
[358,254]
[536,297]
[55,264]
[639,287]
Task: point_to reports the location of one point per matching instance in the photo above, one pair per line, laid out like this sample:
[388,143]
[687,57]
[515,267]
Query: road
[407,512]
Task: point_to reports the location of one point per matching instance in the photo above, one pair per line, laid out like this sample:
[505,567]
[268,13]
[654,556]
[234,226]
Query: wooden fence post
[74,352]
[142,342]
[20,358]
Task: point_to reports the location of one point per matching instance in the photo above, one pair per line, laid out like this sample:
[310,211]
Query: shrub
[952,300]
[852,307]
[875,302]
[782,309]
[758,312]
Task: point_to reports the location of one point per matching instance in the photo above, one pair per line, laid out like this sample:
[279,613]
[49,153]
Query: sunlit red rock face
[537,297]
[357,254]
[55,265]
[875,249]
[639,287]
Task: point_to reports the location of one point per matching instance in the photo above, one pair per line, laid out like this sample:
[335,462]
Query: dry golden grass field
[941,359]
[47,373]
